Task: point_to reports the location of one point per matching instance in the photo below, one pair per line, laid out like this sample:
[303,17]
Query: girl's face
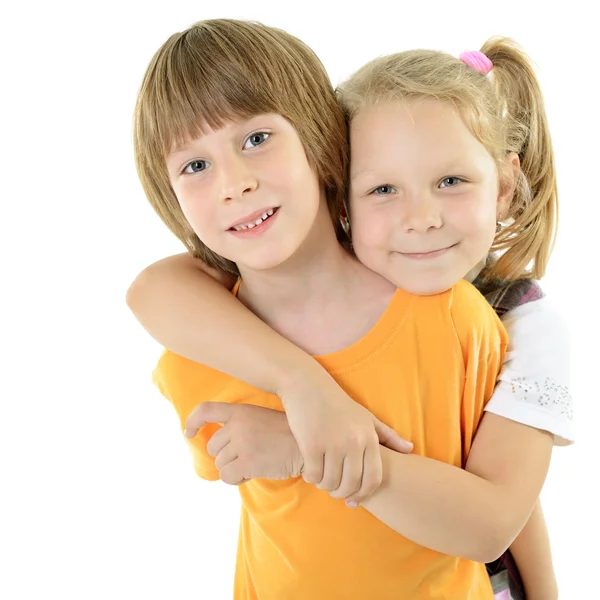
[248,191]
[424,195]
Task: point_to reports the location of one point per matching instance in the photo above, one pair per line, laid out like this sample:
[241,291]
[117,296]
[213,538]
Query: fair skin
[497,480]
[256,167]
[424,193]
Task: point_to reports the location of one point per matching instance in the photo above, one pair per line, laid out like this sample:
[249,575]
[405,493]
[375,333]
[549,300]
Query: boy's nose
[236,180]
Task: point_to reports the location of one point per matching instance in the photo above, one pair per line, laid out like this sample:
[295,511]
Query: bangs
[203,79]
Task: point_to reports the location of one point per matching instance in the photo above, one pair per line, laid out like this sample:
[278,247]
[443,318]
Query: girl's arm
[531,551]
[534,389]
[188,308]
[474,513]
[478,512]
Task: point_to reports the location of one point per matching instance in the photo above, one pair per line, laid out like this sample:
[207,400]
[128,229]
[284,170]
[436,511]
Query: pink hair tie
[478,61]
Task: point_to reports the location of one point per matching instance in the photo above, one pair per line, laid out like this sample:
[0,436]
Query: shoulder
[536,321]
[539,338]
[186,383]
[465,297]
[177,374]
[474,319]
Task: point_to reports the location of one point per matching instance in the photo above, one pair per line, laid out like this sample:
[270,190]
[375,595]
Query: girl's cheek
[370,229]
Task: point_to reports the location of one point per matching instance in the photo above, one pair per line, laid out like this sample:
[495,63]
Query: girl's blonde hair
[505,112]
[220,70]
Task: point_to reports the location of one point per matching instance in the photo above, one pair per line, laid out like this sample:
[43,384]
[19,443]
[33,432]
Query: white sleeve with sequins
[533,385]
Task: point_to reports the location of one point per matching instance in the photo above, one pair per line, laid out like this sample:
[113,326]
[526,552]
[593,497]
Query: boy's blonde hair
[505,112]
[220,70]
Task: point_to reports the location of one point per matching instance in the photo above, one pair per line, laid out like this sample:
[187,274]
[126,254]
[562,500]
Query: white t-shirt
[533,385]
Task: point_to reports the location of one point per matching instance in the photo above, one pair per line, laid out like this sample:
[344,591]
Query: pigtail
[528,236]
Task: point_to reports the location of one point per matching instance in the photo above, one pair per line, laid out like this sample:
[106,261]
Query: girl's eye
[256,139]
[450,182]
[196,166]
[383,190]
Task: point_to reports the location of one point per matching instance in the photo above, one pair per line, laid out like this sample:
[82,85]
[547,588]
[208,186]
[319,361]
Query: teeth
[258,221]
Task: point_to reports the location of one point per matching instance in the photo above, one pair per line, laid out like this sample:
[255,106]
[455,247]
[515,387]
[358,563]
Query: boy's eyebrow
[180,147]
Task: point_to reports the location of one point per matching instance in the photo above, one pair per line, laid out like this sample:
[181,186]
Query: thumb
[389,438]
[208,412]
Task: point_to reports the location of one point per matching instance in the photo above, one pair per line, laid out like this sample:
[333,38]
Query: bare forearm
[207,318]
[531,551]
[441,507]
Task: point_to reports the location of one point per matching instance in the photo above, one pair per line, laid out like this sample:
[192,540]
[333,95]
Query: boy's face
[247,190]
[424,196]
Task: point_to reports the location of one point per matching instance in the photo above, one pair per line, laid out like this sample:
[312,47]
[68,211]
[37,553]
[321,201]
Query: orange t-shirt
[427,369]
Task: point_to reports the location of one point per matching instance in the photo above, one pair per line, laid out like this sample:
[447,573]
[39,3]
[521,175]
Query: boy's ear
[508,182]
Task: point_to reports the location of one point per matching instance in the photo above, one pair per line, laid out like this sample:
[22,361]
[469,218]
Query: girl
[377,200]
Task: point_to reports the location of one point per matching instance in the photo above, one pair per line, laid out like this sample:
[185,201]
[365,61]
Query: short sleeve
[186,385]
[533,385]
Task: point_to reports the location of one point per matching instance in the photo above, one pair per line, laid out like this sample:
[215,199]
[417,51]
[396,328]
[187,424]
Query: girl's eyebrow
[362,173]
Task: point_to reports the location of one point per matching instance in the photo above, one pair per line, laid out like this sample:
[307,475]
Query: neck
[317,290]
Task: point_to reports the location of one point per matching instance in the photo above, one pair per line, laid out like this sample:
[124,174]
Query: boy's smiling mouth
[254,220]
[255,224]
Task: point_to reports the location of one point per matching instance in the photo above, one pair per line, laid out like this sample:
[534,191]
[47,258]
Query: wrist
[294,381]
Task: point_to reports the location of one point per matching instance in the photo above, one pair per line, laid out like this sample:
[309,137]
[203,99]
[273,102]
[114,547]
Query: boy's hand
[254,442]
[338,438]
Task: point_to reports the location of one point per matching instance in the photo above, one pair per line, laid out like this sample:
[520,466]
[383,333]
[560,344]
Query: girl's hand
[338,438]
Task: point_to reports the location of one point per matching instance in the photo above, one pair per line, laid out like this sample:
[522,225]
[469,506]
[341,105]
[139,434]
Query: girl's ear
[344,220]
[509,173]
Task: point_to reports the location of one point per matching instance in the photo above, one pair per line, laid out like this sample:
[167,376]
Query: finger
[313,468]
[208,412]
[226,456]
[389,438]
[232,473]
[218,441]
[352,474]
[372,474]
[332,472]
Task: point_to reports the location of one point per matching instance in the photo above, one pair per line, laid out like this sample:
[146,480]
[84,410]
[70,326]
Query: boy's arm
[531,551]
[187,308]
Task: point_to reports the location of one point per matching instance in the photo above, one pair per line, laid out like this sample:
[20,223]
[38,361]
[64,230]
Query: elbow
[490,540]
[489,552]
[493,544]
[137,293]
[132,297]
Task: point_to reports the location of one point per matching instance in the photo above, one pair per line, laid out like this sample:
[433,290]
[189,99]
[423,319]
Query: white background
[98,497]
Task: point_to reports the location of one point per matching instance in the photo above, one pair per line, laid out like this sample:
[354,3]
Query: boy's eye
[256,139]
[383,190]
[196,166]
[450,182]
